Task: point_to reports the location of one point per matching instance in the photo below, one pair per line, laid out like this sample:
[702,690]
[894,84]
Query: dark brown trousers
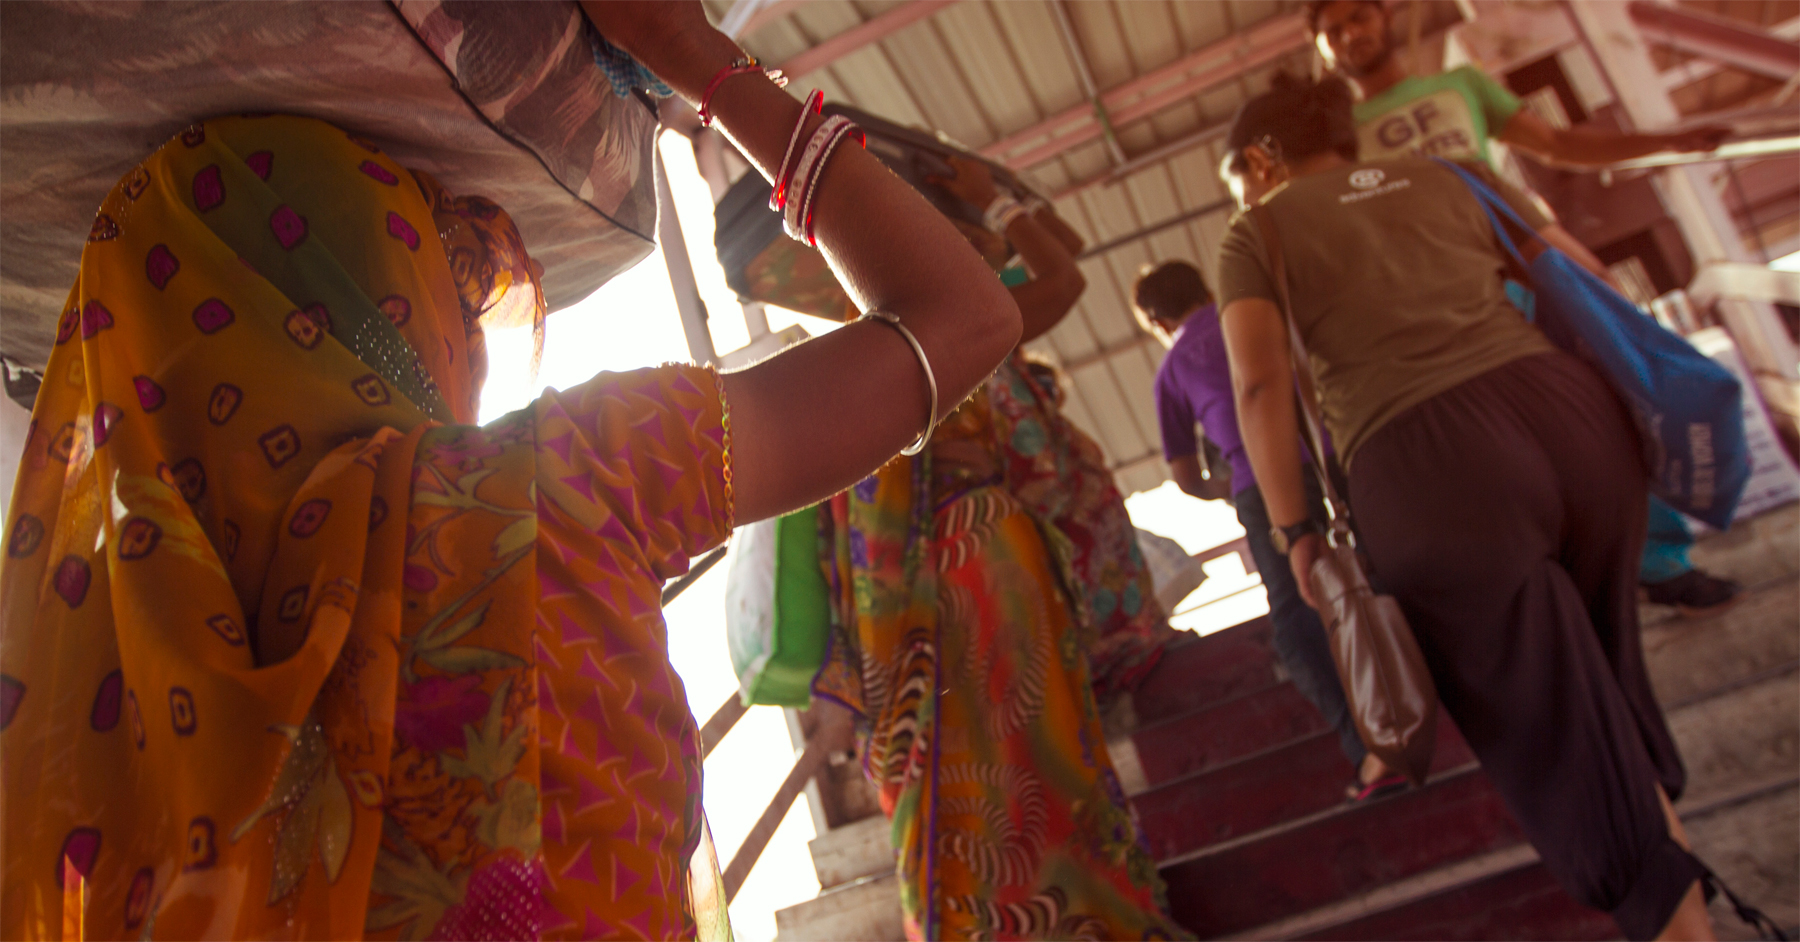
[1507,515]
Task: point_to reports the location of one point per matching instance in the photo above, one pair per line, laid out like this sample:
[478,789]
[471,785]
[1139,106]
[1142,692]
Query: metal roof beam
[857,37]
[1721,40]
[1073,43]
[1693,71]
[748,16]
[1220,62]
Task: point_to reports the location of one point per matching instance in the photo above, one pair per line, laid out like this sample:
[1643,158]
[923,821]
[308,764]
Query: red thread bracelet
[737,67]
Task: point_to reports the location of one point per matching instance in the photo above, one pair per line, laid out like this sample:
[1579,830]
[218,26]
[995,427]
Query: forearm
[1056,281]
[1591,147]
[1270,426]
[934,274]
[1063,232]
[816,419]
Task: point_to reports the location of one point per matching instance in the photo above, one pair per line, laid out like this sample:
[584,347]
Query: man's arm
[1192,479]
[1594,146]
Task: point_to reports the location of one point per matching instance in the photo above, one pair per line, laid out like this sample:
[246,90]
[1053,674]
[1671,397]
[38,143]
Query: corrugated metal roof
[982,71]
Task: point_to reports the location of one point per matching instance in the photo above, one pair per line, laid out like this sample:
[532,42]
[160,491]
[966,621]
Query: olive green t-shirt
[1450,115]
[1396,278]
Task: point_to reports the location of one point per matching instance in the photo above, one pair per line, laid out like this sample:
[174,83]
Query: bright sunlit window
[1229,596]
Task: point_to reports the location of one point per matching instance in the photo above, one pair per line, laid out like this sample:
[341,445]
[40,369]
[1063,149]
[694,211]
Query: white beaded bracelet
[805,172]
[812,185]
[1000,213]
[931,421]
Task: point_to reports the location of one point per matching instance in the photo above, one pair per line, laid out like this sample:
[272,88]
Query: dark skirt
[1507,515]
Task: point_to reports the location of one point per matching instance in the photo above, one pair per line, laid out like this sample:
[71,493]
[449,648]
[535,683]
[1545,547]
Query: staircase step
[867,910]
[1742,808]
[860,849]
[1205,670]
[1752,845]
[1762,550]
[1225,732]
[1337,854]
[1289,782]
[1692,657]
[1507,894]
[1525,903]
[1745,734]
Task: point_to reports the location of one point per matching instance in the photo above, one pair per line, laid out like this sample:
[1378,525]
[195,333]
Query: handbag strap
[1491,201]
[1302,367]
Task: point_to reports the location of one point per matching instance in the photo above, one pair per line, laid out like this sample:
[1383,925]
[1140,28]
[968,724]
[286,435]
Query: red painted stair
[1523,903]
[1244,807]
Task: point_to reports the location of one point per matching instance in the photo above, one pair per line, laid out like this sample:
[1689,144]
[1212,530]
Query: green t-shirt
[1396,280]
[1451,115]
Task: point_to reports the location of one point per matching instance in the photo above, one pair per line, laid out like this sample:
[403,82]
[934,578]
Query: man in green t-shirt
[1453,115]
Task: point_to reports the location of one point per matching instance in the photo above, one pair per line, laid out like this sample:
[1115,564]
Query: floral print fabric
[959,644]
[477,733]
[1060,474]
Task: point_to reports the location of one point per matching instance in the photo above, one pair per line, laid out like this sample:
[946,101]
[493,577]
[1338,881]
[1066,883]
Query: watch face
[1279,540]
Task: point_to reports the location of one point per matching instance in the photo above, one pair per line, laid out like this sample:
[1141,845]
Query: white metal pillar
[1712,235]
[681,268]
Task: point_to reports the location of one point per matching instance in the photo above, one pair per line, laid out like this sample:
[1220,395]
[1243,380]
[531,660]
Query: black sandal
[1380,788]
[1711,886]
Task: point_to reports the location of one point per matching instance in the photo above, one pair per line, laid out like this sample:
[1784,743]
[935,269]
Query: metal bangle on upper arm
[931,420]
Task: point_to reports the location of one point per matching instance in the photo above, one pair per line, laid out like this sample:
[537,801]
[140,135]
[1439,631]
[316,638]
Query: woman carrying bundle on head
[961,636]
[292,648]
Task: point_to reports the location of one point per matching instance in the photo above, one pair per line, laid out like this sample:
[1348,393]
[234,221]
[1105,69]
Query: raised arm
[1595,146]
[1056,281]
[816,419]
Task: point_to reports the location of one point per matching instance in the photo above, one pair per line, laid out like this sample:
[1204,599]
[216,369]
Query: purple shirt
[1194,385]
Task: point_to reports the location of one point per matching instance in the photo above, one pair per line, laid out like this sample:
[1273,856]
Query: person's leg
[1299,638]
[1468,519]
[1666,543]
[1669,577]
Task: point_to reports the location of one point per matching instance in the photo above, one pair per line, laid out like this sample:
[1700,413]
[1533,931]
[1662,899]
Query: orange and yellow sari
[290,649]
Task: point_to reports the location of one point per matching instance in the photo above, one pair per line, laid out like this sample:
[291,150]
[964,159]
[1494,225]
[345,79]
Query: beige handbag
[1391,695]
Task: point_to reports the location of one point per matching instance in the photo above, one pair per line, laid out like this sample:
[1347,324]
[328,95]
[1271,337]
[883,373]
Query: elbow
[1002,326]
[1077,283]
[1250,391]
[1071,286]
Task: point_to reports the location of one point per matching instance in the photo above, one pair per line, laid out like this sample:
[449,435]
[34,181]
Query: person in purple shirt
[1193,386]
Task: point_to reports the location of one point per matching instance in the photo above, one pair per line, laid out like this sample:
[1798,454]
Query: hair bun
[1285,81]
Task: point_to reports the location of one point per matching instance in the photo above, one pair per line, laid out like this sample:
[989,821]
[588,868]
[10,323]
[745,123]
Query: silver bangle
[931,421]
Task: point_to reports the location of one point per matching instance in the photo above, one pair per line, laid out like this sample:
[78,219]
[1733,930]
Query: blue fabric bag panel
[1688,408]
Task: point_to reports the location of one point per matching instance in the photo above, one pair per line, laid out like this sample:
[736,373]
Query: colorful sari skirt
[961,650]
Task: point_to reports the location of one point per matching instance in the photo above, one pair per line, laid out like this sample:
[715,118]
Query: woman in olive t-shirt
[1496,482]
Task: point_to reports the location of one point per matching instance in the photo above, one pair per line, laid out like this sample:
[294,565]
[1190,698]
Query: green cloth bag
[777,610]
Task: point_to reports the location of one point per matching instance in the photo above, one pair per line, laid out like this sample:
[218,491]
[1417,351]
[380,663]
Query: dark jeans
[1299,636]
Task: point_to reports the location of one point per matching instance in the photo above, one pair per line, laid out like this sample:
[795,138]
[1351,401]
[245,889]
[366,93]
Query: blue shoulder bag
[1688,408]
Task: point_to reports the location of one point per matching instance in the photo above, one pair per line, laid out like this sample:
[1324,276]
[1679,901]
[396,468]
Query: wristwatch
[1284,538]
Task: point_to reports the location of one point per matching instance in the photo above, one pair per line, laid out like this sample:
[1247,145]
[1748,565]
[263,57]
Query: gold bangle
[931,421]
